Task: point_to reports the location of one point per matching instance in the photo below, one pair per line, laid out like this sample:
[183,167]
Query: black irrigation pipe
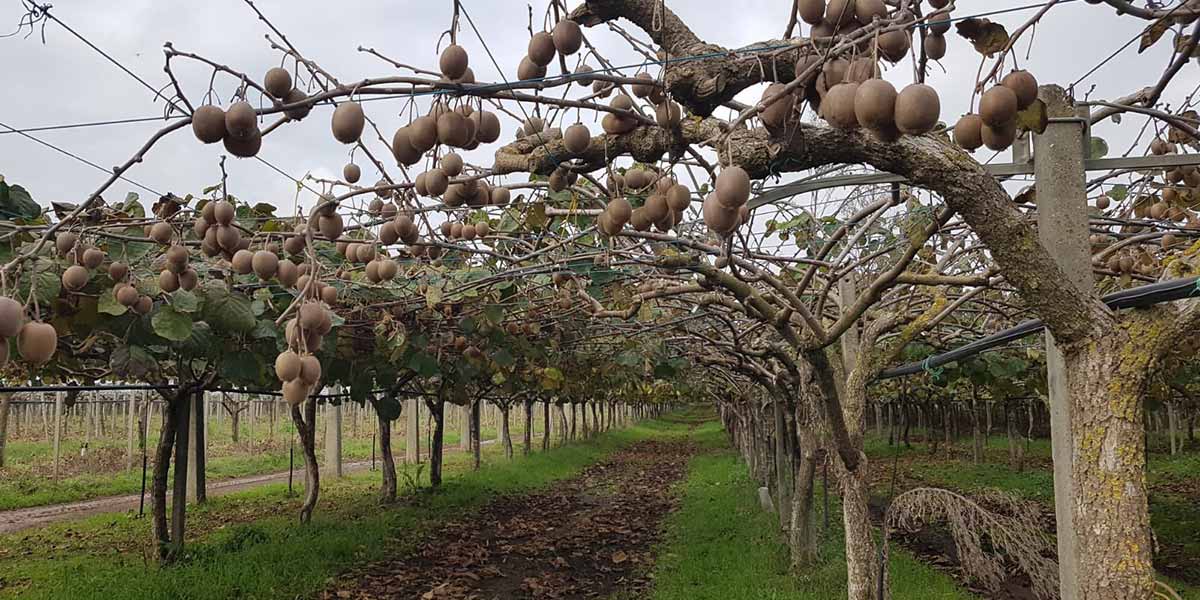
[1138,297]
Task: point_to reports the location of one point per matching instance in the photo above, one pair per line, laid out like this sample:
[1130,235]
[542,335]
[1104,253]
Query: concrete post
[197,491]
[464,442]
[1063,231]
[412,419]
[132,420]
[58,409]
[333,440]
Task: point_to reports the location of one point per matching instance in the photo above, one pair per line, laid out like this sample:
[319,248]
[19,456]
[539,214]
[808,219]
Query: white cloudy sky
[63,81]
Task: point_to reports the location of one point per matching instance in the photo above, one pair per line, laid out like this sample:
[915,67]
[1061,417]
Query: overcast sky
[63,81]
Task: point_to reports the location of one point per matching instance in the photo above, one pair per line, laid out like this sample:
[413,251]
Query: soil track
[590,536]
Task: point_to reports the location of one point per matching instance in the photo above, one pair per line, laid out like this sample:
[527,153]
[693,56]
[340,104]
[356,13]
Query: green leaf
[185,301]
[171,324]
[232,312]
[387,407]
[130,361]
[16,203]
[47,284]
[132,207]
[107,304]
[1098,148]
[423,364]
[240,367]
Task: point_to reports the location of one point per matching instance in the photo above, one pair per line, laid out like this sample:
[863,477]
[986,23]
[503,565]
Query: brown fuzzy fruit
[667,114]
[161,232]
[12,317]
[939,22]
[351,173]
[65,241]
[733,187]
[37,342]
[541,48]
[998,106]
[295,392]
[348,121]
[277,82]
[917,109]
[777,113]
[528,69]
[719,218]
[402,148]
[894,45]
[452,164]
[866,10]
[229,238]
[875,104]
[839,12]
[168,281]
[75,278]
[436,181]
[265,264]
[968,132]
[93,257]
[453,129]
[310,369]
[453,62]
[577,138]
[487,126]
[295,96]
[243,261]
[144,305]
[126,295]
[188,279]
[223,212]
[998,138]
[240,121]
[287,365]
[244,147]
[116,271]
[837,107]
[811,11]
[331,226]
[208,124]
[678,197]
[1024,85]
[935,46]
[423,133]
[500,196]
[568,38]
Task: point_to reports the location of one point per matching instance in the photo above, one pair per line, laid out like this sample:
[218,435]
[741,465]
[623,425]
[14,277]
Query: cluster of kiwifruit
[176,273]
[455,65]
[615,124]
[1133,261]
[1169,205]
[666,201]
[995,126]
[461,344]
[456,230]
[36,341]
[400,228]
[237,126]
[218,233]
[85,258]
[296,367]
[527,329]
[566,39]
[436,181]
[725,208]
[461,127]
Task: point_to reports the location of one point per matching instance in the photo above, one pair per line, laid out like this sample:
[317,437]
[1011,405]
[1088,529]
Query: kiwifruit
[388,234]
[743,214]
[487,126]
[329,295]
[436,181]
[75,277]
[668,114]
[656,208]
[719,217]
[733,187]
[1168,240]
[453,196]
[637,178]
[423,133]
[161,232]
[558,181]
[372,272]
[968,132]
[577,138]
[678,197]
[295,392]
[287,273]
[528,70]
[839,12]
[998,138]
[606,225]
[116,271]
[1125,264]
[644,86]
[331,226]
[125,294]
[200,227]
[177,255]
[348,122]
[244,147]
[1170,195]
[452,164]
[938,22]
[92,257]
[456,230]
[837,107]
[294,244]
[240,121]
[468,232]
[866,10]
[778,112]
[500,196]
[37,342]
[940,3]
[65,242]
[894,44]
[935,46]
[223,212]
[998,106]
[287,365]
[188,279]
[310,315]
[1158,210]
[917,109]
[454,61]
[243,261]
[1024,85]
[615,125]
[208,124]
[295,96]
[861,69]
[1158,147]
[452,129]
[144,305]
[351,173]
[265,264]
[366,252]
[811,11]
[541,48]
[404,226]
[567,36]
[168,281]
[348,250]
[1103,202]
[388,269]
[875,104]
[12,317]
[277,82]
[229,238]
[833,72]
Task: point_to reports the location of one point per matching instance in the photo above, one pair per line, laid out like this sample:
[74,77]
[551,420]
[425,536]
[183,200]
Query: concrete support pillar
[412,420]
[333,440]
[1063,230]
[197,455]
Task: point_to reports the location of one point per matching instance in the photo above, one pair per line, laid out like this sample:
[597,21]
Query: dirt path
[590,536]
[38,516]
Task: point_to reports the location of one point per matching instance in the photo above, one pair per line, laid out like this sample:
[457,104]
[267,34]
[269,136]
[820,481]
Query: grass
[249,546]
[26,482]
[722,545]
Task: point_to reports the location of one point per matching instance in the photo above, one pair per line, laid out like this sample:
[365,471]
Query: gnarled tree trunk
[387,489]
[306,429]
[505,434]
[158,485]
[527,446]
[437,411]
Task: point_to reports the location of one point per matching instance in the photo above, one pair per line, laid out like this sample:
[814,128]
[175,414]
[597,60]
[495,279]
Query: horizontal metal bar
[788,190]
